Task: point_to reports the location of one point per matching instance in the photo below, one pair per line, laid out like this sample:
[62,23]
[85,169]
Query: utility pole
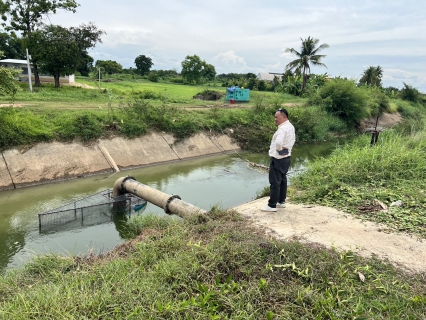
[29,71]
[99,77]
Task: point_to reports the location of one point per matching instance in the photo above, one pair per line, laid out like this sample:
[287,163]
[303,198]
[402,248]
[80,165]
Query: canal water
[223,180]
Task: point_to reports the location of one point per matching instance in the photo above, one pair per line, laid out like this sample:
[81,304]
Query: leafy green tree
[143,64]
[86,65]
[109,66]
[11,46]
[25,16]
[209,72]
[307,56]
[372,76]
[192,68]
[61,51]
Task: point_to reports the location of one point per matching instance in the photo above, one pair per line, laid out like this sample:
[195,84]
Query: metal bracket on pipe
[166,206]
[124,180]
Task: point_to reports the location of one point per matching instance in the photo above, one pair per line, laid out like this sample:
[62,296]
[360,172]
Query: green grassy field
[117,92]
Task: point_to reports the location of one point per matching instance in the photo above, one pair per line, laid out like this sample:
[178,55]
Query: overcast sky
[251,36]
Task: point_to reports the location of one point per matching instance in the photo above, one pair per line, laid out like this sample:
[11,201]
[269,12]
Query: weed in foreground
[217,266]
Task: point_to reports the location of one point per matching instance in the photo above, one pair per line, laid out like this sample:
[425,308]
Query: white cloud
[230,60]
[359,34]
[398,76]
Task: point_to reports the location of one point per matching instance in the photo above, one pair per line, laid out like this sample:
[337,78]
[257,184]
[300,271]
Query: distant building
[269,76]
[22,65]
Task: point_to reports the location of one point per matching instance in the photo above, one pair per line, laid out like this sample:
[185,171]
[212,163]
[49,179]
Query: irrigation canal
[223,180]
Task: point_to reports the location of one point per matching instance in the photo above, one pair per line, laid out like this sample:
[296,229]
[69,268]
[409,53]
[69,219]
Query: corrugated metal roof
[268,76]
[13,61]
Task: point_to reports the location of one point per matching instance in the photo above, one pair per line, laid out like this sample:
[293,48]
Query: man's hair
[282,110]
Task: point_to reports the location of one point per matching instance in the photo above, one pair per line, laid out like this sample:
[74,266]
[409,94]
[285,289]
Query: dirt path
[333,228]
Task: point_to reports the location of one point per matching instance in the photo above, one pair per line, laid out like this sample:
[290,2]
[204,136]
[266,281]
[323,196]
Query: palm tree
[372,76]
[307,56]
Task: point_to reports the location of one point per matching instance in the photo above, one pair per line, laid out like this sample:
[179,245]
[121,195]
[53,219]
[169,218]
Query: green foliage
[194,70]
[109,66]
[342,98]
[357,174]
[372,76]
[217,266]
[414,115]
[25,16]
[315,124]
[8,84]
[21,127]
[409,93]
[378,102]
[11,46]
[209,72]
[86,126]
[292,85]
[61,51]
[143,64]
[153,76]
[139,224]
[307,56]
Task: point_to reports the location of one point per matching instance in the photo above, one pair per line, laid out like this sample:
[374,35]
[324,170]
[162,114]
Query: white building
[269,76]
[22,65]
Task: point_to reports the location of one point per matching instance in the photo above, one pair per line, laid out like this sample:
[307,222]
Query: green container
[238,95]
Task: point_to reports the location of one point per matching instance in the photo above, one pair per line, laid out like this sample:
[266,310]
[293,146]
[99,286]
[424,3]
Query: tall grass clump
[22,126]
[215,266]
[83,125]
[414,115]
[357,174]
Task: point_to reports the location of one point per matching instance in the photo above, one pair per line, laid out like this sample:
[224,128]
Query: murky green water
[223,180]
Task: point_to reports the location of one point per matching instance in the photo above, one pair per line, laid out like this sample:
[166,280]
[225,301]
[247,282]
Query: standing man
[280,153]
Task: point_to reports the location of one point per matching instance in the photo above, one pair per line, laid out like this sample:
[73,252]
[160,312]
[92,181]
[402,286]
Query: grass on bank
[253,127]
[356,174]
[213,267]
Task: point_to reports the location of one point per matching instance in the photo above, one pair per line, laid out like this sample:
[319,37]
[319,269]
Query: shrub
[409,93]
[153,77]
[342,98]
[378,102]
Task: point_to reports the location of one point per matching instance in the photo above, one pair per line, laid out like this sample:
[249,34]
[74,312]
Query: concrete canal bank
[48,162]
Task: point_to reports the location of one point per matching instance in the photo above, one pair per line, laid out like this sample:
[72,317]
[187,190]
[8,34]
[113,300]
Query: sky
[252,36]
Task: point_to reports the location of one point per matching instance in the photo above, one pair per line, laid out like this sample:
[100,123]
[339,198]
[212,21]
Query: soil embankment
[48,162]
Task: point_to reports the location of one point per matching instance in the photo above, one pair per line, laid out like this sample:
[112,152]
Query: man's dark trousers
[278,180]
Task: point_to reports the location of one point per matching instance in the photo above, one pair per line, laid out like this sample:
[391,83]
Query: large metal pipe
[172,204]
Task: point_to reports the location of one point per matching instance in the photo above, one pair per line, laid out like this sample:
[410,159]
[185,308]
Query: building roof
[14,61]
[268,76]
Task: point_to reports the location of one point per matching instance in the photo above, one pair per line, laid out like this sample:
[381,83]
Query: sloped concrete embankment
[48,162]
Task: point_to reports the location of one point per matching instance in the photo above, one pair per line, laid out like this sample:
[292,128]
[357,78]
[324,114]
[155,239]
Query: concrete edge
[207,147]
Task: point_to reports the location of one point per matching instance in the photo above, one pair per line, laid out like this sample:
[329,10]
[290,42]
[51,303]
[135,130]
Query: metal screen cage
[95,209]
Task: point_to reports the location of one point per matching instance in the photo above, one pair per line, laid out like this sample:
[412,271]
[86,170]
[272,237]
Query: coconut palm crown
[307,56]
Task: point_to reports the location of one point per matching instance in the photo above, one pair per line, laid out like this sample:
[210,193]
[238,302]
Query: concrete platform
[335,229]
